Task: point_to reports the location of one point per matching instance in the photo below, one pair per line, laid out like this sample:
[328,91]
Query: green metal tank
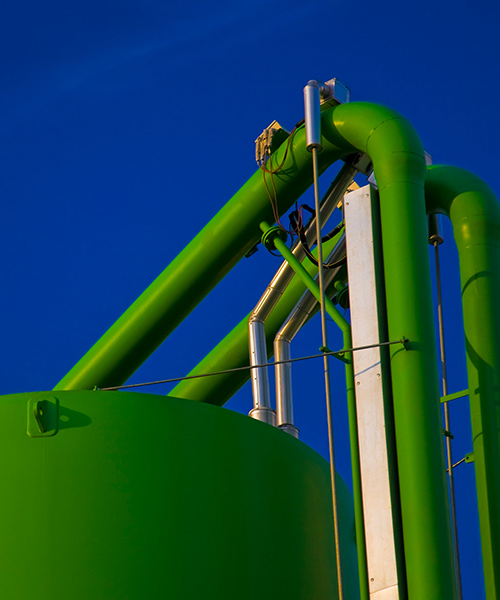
[112,495]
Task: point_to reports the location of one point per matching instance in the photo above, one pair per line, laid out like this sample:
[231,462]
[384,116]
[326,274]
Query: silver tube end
[290,429]
[312,116]
[266,415]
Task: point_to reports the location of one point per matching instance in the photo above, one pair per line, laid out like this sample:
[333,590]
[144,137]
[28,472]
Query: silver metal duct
[283,339]
[262,410]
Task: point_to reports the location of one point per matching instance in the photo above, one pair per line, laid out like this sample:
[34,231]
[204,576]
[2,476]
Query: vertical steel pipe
[313,144]
[274,291]
[296,319]
[262,410]
[312,116]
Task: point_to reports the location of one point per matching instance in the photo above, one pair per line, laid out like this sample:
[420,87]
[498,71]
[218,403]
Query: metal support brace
[374,424]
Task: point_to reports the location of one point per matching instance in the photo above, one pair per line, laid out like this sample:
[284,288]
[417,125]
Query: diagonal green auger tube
[475,214]
[205,261]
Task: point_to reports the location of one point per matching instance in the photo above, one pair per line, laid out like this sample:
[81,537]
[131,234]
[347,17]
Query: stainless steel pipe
[262,410]
[297,318]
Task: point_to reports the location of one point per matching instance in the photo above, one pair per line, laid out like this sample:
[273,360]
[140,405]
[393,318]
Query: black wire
[271,172]
[297,225]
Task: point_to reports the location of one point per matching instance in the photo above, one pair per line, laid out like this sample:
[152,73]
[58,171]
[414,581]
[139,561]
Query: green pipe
[232,351]
[355,462]
[399,165]
[195,272]
[273,235]
[475,214]
[307,279]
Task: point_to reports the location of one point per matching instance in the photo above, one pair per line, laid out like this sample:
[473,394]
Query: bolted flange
[271,234]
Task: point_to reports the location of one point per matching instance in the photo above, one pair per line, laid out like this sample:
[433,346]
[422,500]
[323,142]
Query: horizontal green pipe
[475,214]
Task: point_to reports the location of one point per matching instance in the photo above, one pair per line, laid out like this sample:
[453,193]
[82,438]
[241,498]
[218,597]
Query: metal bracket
[252,251]
[363,163]
[454,396]
[336,93]
[468,458]
[336,354]
[43,416]
[268,141]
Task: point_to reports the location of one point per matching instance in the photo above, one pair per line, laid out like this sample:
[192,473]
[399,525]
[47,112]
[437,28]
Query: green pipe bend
[475,214]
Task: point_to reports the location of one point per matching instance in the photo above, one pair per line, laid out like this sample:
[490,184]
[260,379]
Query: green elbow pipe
[399,166]
[475,214]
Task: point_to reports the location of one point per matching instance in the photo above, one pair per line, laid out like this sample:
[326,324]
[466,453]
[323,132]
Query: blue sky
[125,127]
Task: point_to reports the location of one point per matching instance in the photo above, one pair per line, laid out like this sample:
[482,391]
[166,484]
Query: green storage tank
[112,495]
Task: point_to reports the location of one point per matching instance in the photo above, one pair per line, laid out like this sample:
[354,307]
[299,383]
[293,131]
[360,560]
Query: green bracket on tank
[43,417]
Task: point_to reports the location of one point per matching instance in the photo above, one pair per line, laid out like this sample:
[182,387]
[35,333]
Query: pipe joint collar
[271,234]
[264,414]
[290,429]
